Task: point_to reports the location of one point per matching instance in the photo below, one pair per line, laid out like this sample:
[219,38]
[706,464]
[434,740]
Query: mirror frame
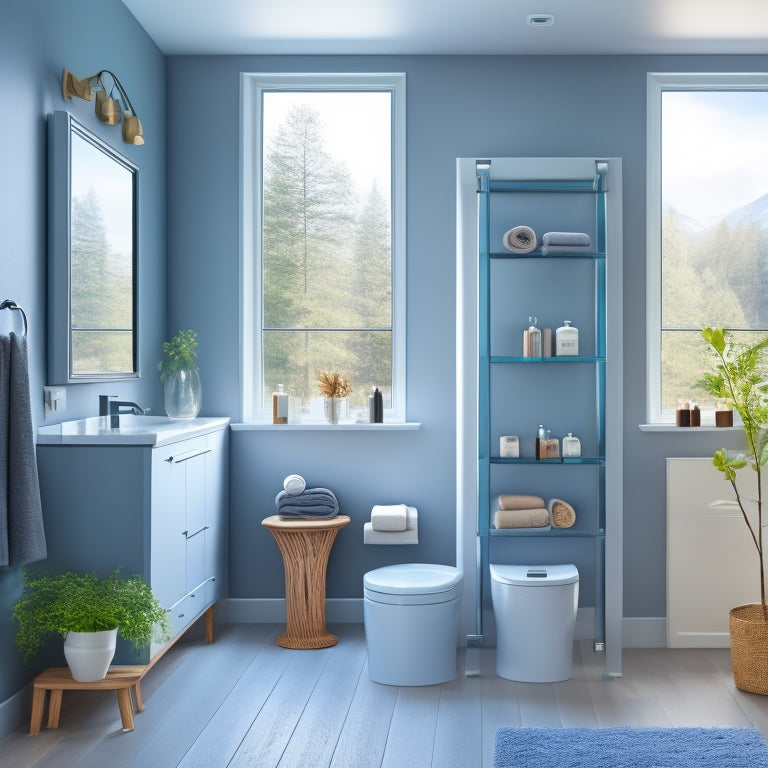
[62,127]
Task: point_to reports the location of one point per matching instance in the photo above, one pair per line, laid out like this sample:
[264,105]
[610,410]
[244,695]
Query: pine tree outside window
[323,240]
[707,226]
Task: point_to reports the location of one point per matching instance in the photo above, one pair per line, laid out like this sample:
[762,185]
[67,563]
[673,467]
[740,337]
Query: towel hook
[11,304]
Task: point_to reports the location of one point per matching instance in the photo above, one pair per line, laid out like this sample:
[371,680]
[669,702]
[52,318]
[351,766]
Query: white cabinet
[712,565]
[160,512]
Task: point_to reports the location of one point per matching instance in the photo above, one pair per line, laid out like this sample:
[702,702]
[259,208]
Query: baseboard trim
[14,711]
[268,610]
[645,632]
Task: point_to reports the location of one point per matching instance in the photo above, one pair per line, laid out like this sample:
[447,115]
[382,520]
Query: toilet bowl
[411,618]
[535,610]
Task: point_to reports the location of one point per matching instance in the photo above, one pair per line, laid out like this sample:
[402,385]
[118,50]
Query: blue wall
[457,106]
[38,38]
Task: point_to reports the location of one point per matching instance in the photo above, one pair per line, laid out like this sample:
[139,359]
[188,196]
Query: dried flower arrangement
[334,384]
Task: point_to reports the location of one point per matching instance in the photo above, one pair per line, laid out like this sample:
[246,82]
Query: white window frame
[252,87]
[657,83]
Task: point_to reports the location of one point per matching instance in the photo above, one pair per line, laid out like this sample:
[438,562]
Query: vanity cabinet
[156,510]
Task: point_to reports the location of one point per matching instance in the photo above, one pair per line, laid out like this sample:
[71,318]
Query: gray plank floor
[245,702]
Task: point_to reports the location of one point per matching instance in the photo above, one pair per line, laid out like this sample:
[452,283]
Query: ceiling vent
[540,19]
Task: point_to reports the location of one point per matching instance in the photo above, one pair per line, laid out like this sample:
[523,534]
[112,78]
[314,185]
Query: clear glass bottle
[280,406]
[567,340]
[534,338]
[571,446]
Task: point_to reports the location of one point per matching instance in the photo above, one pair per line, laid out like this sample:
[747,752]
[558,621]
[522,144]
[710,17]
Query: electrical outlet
[55,399]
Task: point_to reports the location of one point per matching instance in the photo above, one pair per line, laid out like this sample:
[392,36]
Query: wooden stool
[124,680]
[305,546]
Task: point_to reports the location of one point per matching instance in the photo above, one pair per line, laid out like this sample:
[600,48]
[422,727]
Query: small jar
[695,415]
[683,414]
[723,414]
[571,447]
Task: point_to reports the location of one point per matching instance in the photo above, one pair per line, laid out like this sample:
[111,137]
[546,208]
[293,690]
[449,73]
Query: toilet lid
[534,575]
[413,579]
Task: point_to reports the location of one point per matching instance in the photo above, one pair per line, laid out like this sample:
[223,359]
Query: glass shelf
[545,534]
[553,359]
[559,460]
[509,256]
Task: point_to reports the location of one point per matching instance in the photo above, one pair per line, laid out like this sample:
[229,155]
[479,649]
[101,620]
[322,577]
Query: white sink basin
[133,430]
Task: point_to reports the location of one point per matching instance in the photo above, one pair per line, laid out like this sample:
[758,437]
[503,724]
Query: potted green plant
[88,611]
[180,376]
[741,379]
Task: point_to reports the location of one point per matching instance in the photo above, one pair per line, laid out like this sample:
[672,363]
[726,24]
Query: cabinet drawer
[187,610]
[696,489]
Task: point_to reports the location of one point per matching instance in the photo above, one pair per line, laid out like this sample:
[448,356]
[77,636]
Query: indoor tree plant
[741,378]
[88,611]
[180,376]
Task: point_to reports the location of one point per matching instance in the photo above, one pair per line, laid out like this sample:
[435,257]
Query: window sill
[675,428]
[254,426]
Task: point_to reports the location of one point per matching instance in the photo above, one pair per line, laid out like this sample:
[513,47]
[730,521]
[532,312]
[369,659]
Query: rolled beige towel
[521,501]
[521,518]
[563,514]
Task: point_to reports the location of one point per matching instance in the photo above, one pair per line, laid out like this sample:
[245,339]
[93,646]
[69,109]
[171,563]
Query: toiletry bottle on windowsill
[280,406]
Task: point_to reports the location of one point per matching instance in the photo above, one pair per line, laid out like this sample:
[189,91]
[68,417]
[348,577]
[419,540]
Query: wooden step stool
[125,680]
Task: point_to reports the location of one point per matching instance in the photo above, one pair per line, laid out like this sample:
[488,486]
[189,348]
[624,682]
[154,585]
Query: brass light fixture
[111,103]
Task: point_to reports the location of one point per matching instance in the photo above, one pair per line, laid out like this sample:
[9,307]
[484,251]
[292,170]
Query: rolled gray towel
[314,502]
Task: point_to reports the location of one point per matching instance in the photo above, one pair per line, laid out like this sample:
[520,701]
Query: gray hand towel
[22,538]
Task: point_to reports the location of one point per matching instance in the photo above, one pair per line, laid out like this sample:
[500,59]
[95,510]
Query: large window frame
[252,88]
[657,84]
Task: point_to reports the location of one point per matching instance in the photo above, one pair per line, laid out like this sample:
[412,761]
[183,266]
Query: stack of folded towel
[525,511]
[521,511]
[298,501]
[566,242]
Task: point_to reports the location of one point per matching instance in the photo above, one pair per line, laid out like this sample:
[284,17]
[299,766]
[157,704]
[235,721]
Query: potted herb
[180,376]
[88,611]
[741,379]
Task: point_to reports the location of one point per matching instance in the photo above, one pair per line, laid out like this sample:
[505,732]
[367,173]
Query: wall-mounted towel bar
[11,304]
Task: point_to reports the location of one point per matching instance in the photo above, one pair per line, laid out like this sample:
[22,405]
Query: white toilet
[411,616]
[535,610]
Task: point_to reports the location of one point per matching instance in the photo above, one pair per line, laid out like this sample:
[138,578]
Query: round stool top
[316,524]
[413,578]
[534,575]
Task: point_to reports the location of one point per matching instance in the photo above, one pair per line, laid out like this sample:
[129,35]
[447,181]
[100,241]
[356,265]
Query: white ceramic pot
[89,654]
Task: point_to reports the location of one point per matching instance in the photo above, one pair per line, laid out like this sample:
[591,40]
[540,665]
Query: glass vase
[183,394]
[335,408]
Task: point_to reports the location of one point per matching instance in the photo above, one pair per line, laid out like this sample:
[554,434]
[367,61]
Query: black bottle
[378,407]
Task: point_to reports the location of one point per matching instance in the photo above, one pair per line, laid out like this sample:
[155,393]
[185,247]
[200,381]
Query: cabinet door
[168,546]
[216,508]
[712,564]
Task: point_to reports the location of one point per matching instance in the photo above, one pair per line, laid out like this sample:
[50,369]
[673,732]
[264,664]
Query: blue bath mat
[630,748]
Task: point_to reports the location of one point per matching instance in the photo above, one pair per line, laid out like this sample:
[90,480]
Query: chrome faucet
[113,409]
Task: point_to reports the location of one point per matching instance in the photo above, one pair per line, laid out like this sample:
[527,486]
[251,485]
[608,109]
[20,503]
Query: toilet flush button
[536,573]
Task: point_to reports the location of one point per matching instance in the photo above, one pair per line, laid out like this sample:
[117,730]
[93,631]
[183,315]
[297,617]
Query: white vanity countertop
[133,430]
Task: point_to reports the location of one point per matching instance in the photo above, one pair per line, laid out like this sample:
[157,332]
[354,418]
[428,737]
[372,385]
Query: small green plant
[179,353]
[72,602]
[740,377]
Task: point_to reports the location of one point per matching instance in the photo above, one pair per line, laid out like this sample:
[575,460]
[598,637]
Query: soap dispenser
[571,447]
[532,339]
[280,406]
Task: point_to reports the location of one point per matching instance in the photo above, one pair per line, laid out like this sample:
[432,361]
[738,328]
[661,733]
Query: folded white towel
[520,239]
[370,536]
[389,517]
[566,249]
[566,238]
[294,485]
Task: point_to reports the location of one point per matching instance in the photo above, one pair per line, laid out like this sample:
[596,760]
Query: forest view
[714,249]
[326,265]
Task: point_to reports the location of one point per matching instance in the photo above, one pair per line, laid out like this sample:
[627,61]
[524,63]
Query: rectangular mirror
[92,257]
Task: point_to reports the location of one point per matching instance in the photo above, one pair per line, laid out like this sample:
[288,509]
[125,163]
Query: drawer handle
[187,456]
[727,503]
[190,535]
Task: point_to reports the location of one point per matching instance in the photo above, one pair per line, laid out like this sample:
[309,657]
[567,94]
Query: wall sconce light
[111,103]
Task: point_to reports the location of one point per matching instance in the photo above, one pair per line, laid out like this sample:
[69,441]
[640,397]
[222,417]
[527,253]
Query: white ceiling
[453,26]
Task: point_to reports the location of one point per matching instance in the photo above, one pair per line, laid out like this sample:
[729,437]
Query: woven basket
[749,648]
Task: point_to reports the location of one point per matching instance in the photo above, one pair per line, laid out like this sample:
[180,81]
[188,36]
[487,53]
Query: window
[323,240]
[707,224]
